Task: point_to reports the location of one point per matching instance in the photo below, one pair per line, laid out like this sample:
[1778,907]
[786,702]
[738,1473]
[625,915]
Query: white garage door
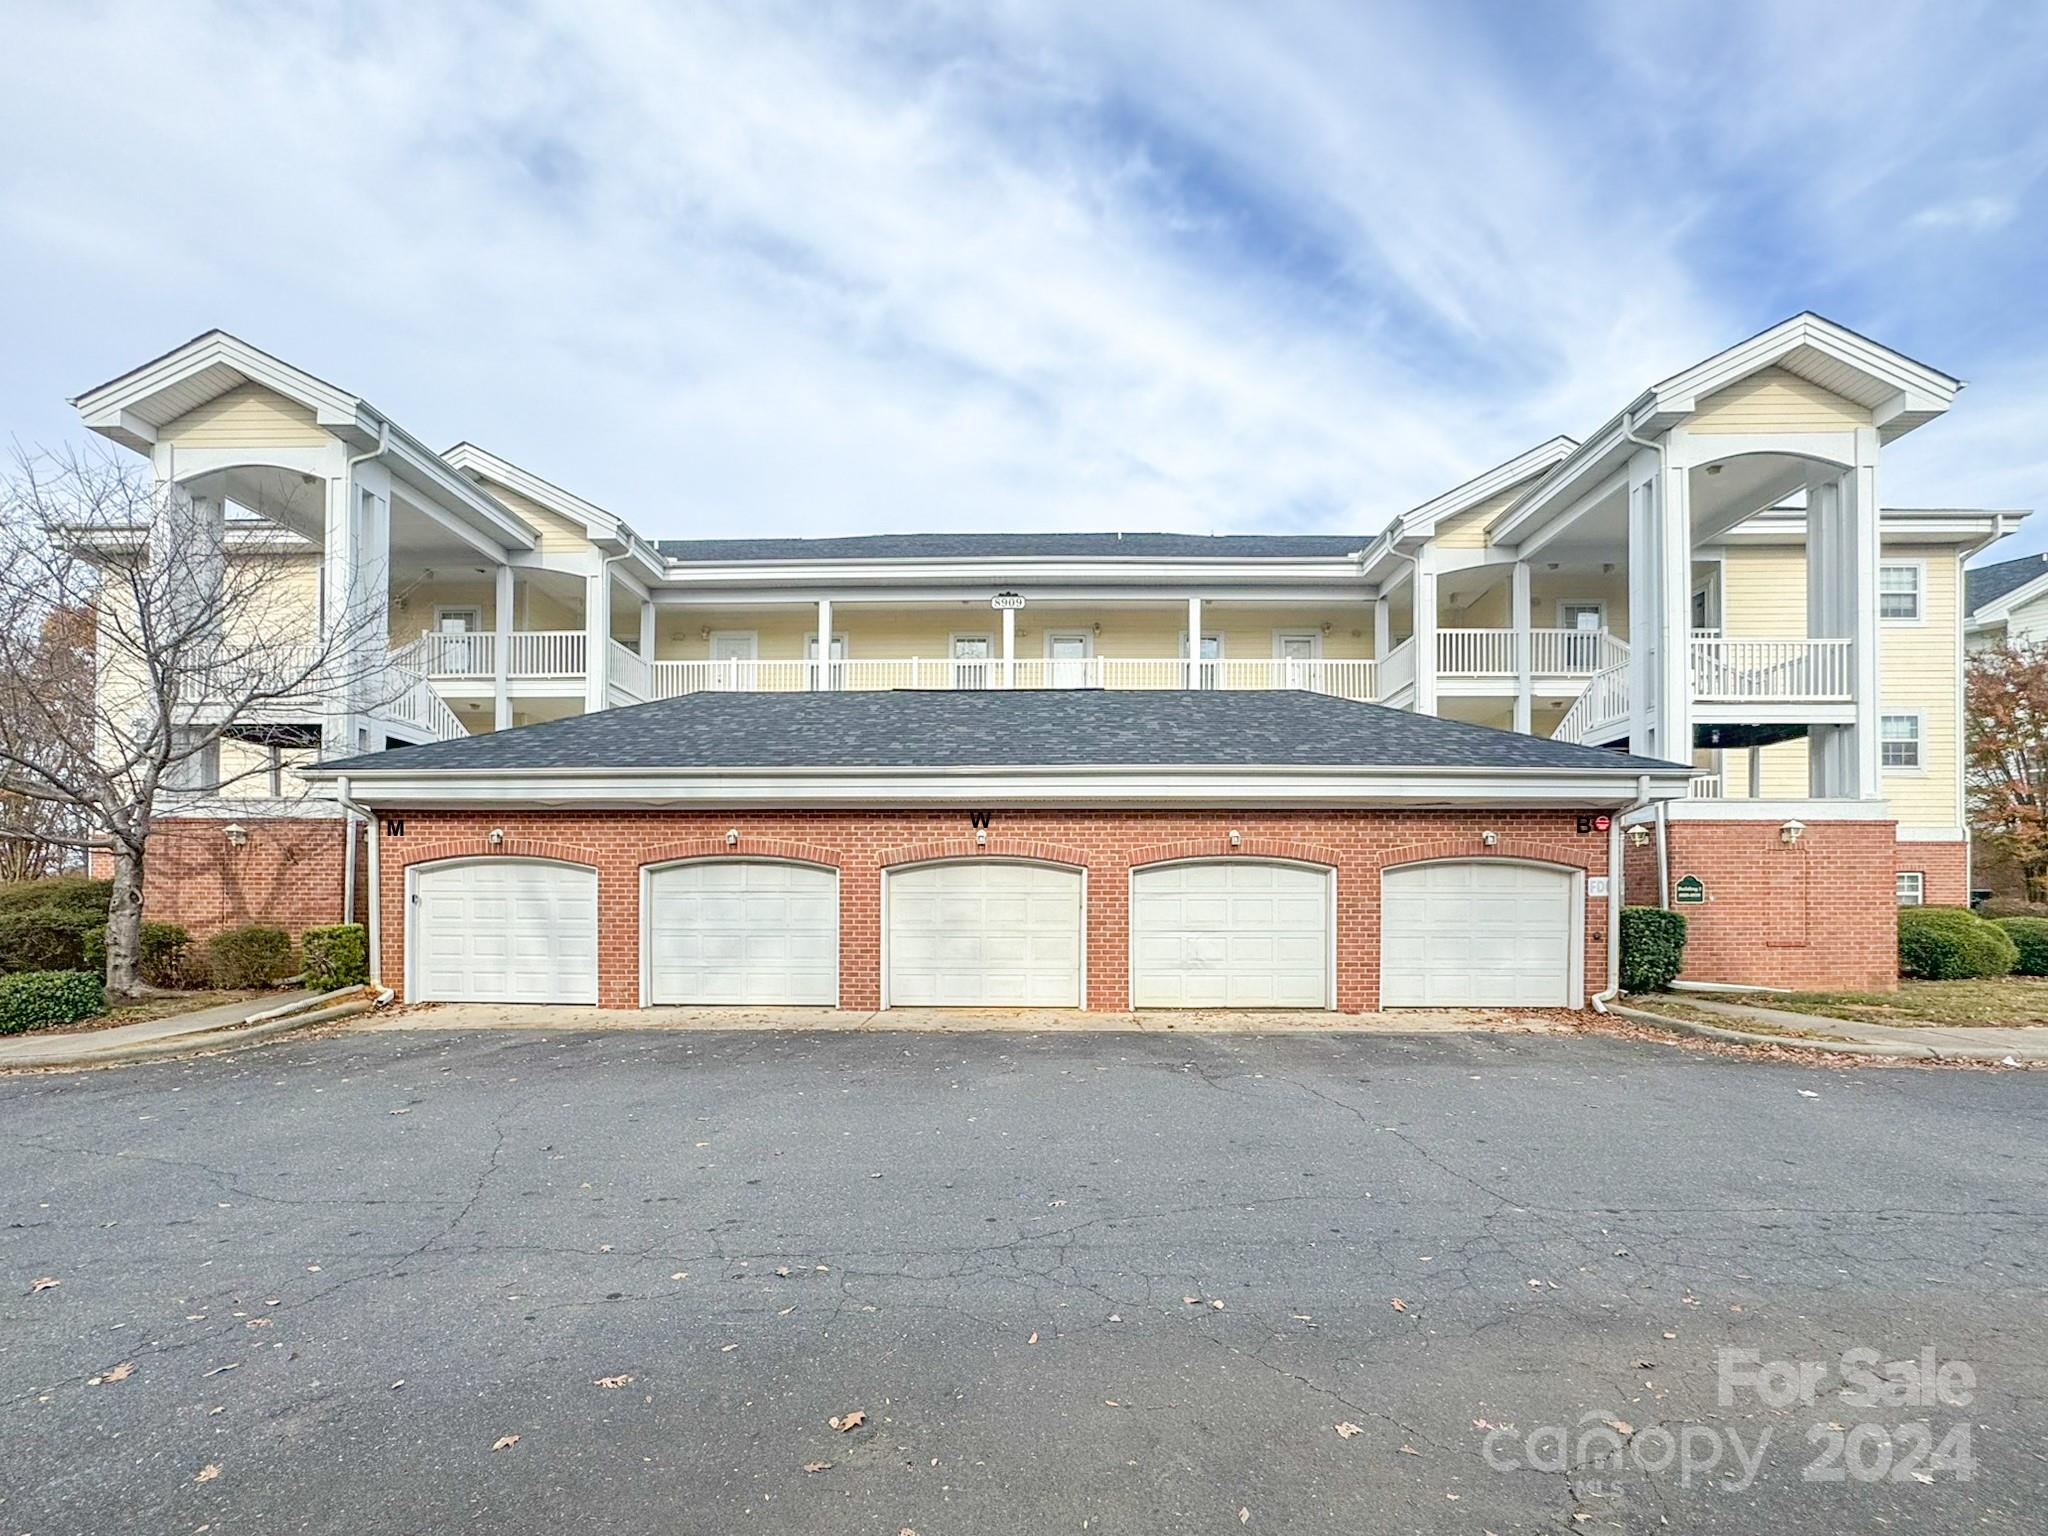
[981,933]
[505,931]
[743,931]
[1469,933]
[1230,935]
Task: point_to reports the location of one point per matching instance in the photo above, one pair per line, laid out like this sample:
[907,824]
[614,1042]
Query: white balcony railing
[1704,786]
[1397,670]
[1347,679]
[465,654]
[1768,671]
[545,653]
[1596,712]
[1552,652]
[627,673]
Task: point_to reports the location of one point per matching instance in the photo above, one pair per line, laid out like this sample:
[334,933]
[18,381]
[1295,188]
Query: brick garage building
[1026,848]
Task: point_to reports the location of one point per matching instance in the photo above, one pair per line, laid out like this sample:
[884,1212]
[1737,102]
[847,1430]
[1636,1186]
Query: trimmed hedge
[1652,948]
[2030,937]
[336,956]
[1952,944]
[72,893]
[48,939]
[37,999]
[254,956]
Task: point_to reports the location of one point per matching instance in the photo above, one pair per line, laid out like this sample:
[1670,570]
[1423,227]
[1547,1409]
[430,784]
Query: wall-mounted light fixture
[732,837]
[236,834]
[981,837]
[1639,835]
[1791,832]
[1236,838]
[497,836]
[1489,839]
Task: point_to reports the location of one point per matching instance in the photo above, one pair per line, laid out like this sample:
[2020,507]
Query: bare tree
[203,628]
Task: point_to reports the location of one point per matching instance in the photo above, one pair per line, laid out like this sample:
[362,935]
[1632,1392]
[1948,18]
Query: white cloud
[1971,215]
[840,268]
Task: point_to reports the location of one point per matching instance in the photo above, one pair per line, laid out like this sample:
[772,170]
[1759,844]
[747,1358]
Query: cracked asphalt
[344,1269]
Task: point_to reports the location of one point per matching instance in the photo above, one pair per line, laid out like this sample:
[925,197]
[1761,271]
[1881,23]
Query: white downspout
[1616,895]
[375,926]
[1664,854]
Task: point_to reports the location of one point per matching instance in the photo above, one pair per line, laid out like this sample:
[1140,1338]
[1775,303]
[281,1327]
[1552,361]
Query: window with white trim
[1899,592]
[1898,741]
[1908,885]
[198,768]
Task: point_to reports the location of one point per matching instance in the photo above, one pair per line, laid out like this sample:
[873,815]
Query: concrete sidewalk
[1937,1042]
[92,1046]
[561,1018]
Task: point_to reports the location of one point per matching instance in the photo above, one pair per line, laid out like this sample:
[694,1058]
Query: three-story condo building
[1690,659]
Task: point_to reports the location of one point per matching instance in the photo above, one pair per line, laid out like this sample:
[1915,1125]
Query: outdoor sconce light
[1489,839]
[1236,838]
[732,837]
[497,836]
[1098,626]
[236,834]
[1638,835]
[981,837]
[1327,626]
[1791,832]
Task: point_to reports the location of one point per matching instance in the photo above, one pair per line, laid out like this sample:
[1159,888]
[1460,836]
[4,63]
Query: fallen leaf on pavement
[1398,1304]
[208,1472]
[1032,1340]
[222,1370]
[1409,1450]
[504,1442]
[817,1466]
[1244,1517]
[1193,1301]
[1808,1093]
[1620,1426]
[1217,1305]
[119,1372]
[613,1383]
[1347,1429]
[847,1421]
[782,1270]
[681,1274]
[46,1283]
[726,1349]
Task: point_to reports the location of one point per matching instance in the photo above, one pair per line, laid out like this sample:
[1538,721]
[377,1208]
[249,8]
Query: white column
[1660,607]
[822,676]
[1425,631]
[355,593]
[1842,543]
[1194,641]
[1525,685]
[501,651]
[1382,627]
[647,630]
[1009,647]
[597,634]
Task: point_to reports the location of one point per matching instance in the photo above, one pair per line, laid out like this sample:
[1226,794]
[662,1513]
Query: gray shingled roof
[970,546]
[1988,583]
[997,729]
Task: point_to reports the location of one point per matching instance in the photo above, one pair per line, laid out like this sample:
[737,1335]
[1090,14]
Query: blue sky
[816,268]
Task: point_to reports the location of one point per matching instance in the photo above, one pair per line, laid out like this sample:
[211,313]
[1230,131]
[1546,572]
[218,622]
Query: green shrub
[336,956]
[1652,948]
[2030,937]
[1952,944]
[71,893]
[254,956]
[164,959]
[36,999]
[47,939]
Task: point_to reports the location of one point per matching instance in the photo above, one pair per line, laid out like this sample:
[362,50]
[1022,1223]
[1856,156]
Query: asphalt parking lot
[1456,1283]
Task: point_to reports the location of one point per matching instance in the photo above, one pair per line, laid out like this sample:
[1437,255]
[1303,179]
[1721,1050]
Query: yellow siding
[555,531]
[412,608]
[1468,529]
[1764,597]
[1776,401]
[246,417]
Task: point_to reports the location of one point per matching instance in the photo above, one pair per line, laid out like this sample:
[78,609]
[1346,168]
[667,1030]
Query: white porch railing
[1397,669]
[1704,786]
[627,673]
[1764,671]
[1346,679]
[443,653]
[1597,711]
[1552,652]
[419,706]
[545,653]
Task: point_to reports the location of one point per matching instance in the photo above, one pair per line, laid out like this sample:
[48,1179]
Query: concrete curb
[1792,1042]
[208,1040]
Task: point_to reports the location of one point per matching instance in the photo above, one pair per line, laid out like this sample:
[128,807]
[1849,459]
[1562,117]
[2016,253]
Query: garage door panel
[1473,933]
[740,932]
[984,933]
[1230,935]
[511,930]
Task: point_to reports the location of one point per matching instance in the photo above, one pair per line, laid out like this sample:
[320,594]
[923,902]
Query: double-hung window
[1900,593]
[1898,739]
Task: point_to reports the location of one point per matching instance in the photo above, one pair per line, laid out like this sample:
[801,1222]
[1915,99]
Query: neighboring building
[2007,600]
[1155,764]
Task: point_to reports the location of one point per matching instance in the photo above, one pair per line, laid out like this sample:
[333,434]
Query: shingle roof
[969,546]
[1988,583]
[997,729]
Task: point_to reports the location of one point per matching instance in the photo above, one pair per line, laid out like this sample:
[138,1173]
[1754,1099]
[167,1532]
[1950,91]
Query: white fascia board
[1925,525]
[993,574]
[1422,520]
[1501,788]
[330,405]
[1764,810]
[1595,457]
[605,528]
[1924,388]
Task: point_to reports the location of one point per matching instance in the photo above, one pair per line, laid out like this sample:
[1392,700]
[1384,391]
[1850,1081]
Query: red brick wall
[860,844]
[1944,868]
[1818,914]
[288,873]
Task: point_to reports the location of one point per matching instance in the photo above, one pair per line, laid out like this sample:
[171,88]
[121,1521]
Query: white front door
[737,650]
[1582,645]
[454,626]
[984,933]
[743,931]
[973,661]
[1297,651]
[1231,934]
[1068,651]
[1479,933]
[504,931]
